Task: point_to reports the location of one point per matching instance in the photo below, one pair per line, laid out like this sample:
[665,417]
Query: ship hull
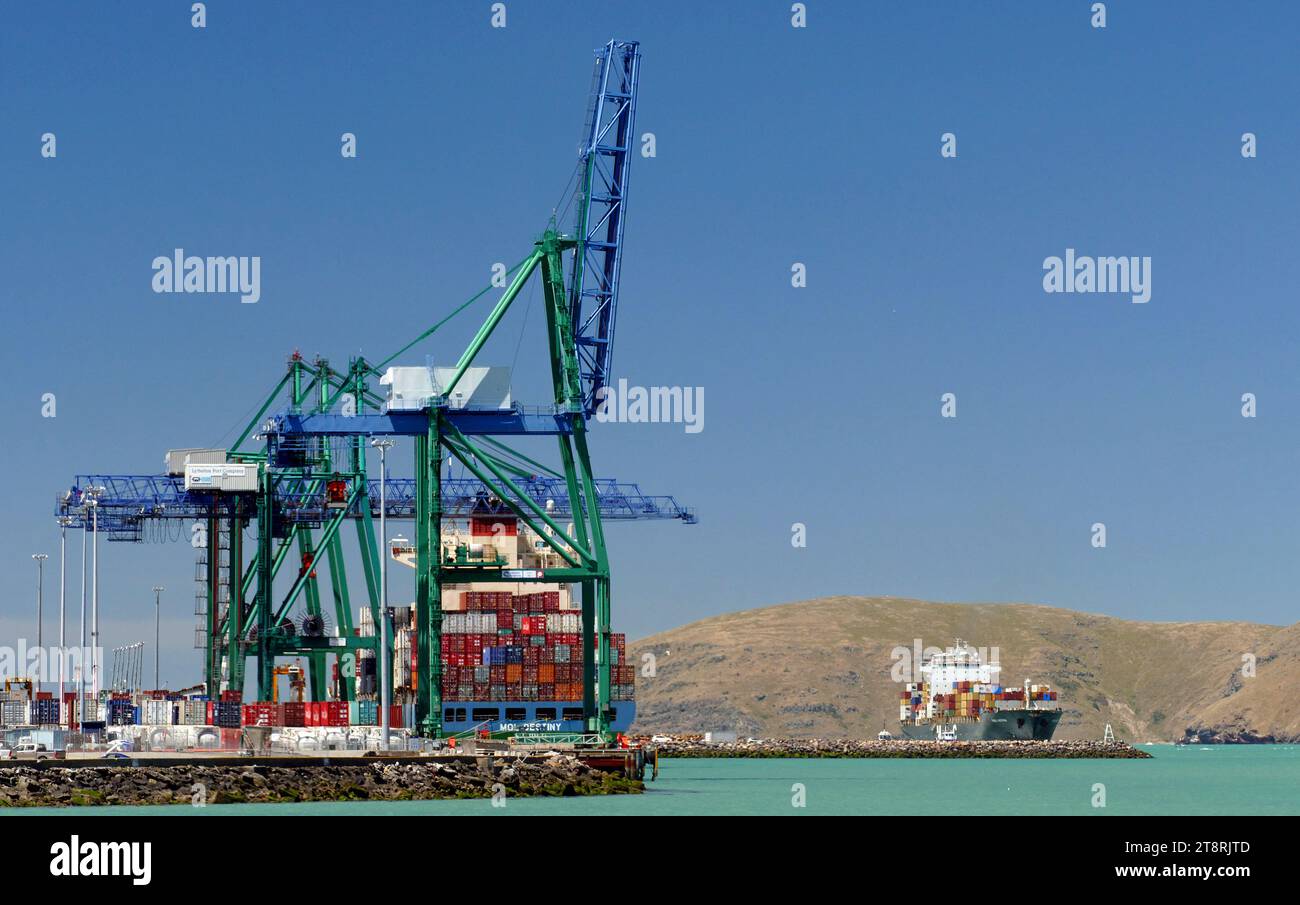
[992,726]
[527,717]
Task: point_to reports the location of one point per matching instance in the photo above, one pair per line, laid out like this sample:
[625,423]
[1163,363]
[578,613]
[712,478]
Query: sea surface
[1221,779]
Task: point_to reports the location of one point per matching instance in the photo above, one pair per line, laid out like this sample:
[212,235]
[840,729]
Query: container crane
[580,319]
[311,474]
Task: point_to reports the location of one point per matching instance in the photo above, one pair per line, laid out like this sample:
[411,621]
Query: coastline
[897,748]
[210,784]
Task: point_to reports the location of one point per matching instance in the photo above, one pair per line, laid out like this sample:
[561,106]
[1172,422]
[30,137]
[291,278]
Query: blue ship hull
[992,726]
[527,716]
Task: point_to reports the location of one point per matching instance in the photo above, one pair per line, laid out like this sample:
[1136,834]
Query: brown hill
[822,668]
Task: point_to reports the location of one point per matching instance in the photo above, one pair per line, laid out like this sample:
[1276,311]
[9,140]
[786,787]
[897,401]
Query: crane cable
[427,333]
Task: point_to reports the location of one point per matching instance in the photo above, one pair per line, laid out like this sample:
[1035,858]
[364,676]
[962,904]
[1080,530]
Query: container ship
[512,660]
[961,698]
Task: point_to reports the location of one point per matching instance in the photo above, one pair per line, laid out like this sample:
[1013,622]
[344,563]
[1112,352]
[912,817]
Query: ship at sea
[961,698]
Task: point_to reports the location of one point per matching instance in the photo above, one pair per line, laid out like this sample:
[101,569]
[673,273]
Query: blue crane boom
[602,202]
[128,500]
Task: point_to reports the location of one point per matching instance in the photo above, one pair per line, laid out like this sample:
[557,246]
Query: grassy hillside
[822,668]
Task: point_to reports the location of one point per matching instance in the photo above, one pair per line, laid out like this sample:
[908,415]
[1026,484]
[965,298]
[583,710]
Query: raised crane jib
[600,212]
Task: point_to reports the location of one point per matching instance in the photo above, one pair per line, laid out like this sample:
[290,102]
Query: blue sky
[774,145]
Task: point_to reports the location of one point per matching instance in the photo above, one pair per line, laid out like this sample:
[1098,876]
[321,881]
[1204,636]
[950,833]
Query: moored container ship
[961,698]
[512,660]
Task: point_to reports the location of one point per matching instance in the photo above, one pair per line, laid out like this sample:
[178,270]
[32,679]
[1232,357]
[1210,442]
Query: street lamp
[40,594]
[383,444]
[81,651]
[157,621]
[64,521]
[95,666]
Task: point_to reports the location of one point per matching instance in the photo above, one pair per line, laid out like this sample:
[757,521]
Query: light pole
[95,665]
[157,621]
[40,600]
[40,590]
[383,444]
[64,522]
[81,653]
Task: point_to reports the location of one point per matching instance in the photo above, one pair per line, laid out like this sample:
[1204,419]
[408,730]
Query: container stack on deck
[967,701]
[521,647]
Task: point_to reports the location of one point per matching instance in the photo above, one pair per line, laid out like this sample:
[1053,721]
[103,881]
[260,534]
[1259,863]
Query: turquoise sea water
[1231,779]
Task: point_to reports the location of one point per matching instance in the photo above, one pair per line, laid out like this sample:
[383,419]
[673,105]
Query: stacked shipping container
[967,700]
[521,647]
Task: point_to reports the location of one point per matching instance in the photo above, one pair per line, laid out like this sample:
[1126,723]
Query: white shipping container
[567,623]
[221,478]
[193,713]
[177,459]
[410,388]
[13,713]
[157,713]
[479,388]
[92,711]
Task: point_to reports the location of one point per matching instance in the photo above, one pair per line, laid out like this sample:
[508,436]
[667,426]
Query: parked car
[30,751]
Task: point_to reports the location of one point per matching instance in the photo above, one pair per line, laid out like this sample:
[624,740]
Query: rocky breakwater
[851,748]
[199,783]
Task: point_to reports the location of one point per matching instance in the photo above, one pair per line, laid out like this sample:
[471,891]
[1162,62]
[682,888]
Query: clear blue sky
[775,145]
